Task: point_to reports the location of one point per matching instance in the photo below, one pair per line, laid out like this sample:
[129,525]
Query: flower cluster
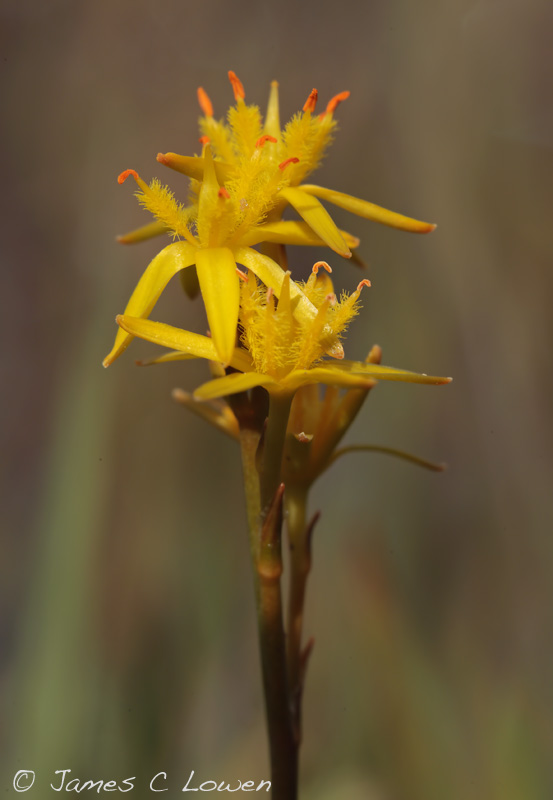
[249,171]
[266,330]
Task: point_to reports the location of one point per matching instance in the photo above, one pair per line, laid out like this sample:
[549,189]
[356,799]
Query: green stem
[249,442]
[300,565]
[264,502]
[273,446]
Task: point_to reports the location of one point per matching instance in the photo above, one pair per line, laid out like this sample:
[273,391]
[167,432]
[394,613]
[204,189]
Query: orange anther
[124,175]
[323,264]
[204,140]
[265,138]
[311,101]
[223,193]
[362,283]
[205,103]
[242,275]
[237,87]
[292,160]
[335,102]
[331,298]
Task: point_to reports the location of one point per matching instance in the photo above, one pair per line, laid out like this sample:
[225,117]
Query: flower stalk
[280,383]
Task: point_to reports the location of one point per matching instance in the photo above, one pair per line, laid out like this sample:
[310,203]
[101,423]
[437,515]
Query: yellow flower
[280,352]
[237,201]
[262,168]
[214,253]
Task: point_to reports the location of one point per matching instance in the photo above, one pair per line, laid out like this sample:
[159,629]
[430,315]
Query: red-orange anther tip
[223,193]
[237,86]
[335,102]
[205,103]
[162,158]
[124,175]
[292,160]
[204,140]
[265,138]
[362,283]
[331,298]
[311,101]
[323,264]
[241,275]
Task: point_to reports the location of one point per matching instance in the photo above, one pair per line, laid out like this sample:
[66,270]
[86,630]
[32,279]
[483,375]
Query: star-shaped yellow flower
[280,351]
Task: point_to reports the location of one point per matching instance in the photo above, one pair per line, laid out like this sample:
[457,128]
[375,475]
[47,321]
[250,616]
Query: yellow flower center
[277,342]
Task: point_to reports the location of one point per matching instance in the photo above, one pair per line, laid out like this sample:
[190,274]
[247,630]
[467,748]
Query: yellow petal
[193,166]
[327,375]
[157,275]
[191,345]
[369,210]
[221,294]
[143,233]
[388,373]
[186,342]
[290,232]
[231,384]
[272,275]
[317,217]
[166,358]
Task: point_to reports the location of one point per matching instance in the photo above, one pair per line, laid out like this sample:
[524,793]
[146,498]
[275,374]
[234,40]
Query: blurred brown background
[127,623]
